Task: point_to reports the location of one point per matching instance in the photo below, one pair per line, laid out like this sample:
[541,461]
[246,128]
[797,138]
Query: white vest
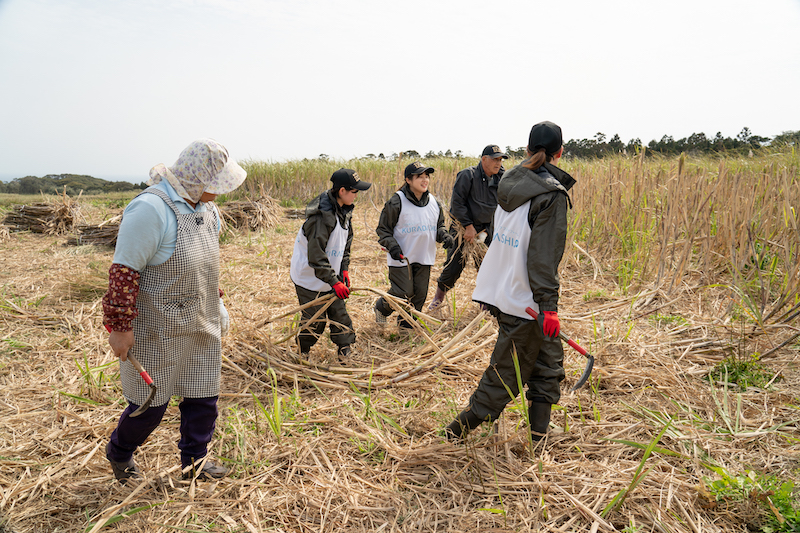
[302,274]
[503,277]
[415,231]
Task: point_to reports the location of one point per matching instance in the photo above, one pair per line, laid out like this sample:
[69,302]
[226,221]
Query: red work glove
[346,278]
[551,325]
[341,289]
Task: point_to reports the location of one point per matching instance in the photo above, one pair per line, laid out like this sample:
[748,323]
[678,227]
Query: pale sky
[110,88]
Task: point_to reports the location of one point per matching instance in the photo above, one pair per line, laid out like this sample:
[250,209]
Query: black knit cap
[345,177]
[545,135]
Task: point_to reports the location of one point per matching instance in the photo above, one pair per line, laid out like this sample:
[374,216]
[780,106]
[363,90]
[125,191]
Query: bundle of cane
[104,234]
[54,218]
[473,250]
[261,213]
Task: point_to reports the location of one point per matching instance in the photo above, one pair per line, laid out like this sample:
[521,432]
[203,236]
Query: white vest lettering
[415,231]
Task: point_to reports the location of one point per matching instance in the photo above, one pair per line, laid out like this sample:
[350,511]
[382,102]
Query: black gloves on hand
[396,253]
[448,241]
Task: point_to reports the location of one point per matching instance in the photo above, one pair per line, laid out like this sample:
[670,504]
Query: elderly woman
[162,304]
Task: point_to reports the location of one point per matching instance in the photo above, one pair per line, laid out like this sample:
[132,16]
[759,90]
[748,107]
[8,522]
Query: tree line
[72,184]
[600,145]
[696,143]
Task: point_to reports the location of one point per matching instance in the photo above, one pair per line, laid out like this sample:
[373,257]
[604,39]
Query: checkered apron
[177,332]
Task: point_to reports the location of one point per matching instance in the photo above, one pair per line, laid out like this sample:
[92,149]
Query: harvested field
[317,445]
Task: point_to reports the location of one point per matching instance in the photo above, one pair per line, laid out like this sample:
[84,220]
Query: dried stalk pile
[258,214]
[103,234]
[56,218]
[435,346]
[294,213]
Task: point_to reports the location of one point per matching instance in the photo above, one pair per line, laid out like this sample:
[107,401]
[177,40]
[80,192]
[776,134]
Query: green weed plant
[778,500]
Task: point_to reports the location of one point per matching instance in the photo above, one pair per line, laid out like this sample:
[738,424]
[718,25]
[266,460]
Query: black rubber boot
[539,416]
[343,352]
[465,422]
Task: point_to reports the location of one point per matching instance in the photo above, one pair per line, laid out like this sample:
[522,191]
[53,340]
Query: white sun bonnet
[203,166]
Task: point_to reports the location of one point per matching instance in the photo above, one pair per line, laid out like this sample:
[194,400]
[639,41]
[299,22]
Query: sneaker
[438,298]
[379,317]
[210,470]
[124,471]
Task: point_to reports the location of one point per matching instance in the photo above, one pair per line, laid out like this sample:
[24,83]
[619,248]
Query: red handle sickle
[590,363]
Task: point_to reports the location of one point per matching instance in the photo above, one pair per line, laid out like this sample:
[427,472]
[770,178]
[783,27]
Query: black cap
[417,168]
[345,177]
[545,135]
[494,152]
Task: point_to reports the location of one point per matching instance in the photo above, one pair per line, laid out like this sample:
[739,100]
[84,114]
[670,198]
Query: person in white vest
[520,270]
[410,225]
[321,260]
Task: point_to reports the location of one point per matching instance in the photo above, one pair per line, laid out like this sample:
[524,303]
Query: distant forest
[75,184]
[696,143]
[601,145]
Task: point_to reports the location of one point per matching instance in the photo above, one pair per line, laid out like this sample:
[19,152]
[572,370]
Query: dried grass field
[681,281]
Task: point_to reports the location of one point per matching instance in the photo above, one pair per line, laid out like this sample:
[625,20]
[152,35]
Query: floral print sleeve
[119,303]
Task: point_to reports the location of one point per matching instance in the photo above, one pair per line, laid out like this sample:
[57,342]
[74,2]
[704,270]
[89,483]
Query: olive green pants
[541,366]
[341,324]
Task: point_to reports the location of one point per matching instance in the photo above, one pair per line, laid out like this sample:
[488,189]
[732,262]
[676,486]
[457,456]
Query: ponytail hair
[535,160]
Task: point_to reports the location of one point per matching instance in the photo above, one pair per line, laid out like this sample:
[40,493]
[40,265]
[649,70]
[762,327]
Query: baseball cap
[417,168]
[346,177]
[494,152]
[545,135]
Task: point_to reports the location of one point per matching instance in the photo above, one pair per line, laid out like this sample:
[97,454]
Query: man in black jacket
[472,206]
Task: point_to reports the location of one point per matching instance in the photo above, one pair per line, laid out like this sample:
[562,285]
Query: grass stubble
[696,262]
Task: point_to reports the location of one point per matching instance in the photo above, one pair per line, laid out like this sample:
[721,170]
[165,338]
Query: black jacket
[546,188]
[391,213]
[321,215]
[475,197]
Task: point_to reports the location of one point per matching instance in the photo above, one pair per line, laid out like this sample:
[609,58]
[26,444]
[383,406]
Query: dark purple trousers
[198,420]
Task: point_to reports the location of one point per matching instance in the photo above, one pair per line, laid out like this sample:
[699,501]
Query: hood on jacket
[520,184]
[326,203]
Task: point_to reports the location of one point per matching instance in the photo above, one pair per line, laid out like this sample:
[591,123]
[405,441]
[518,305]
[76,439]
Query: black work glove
[396,253]
[448,241]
